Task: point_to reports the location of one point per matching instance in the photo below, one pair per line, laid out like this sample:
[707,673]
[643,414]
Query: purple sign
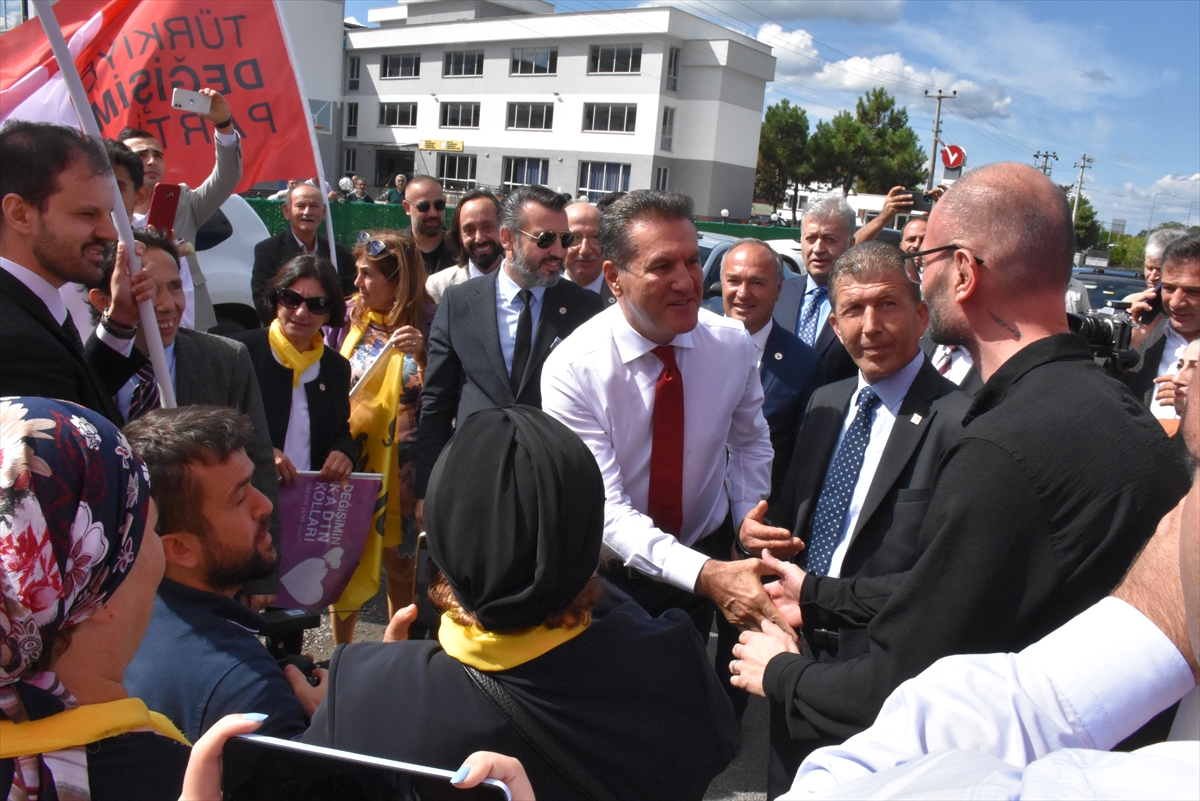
[325,524]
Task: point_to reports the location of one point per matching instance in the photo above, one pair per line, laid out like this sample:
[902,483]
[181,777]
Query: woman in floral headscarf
[78,576]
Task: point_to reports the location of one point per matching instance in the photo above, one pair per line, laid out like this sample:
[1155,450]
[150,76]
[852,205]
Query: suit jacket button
[562,309]
[778,357]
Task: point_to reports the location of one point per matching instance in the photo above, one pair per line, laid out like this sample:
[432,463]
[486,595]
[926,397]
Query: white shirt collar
[508,289]
[632,345]
[39,286]
[303,247]
[760,339]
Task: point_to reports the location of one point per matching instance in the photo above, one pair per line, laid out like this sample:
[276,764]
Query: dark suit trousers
[657,597]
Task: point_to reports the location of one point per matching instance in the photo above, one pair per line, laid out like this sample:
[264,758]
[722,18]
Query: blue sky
[1119,81]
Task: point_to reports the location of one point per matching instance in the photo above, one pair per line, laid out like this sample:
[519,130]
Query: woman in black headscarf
[515,517]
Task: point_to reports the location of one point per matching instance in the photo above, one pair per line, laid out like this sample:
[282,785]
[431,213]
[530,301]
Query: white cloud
[798,61]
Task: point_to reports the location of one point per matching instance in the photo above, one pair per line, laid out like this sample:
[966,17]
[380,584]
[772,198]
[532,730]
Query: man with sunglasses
[425,205]
[304,210]
[1036,511]
[491,334]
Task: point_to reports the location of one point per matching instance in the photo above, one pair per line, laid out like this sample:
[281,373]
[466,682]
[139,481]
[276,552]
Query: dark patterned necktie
[69,326]
[145,394]
[807,330]
[944,357]
[834,503]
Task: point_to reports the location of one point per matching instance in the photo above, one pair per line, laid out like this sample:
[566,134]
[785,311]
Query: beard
[57,257]
[430,227]
[532,273]
[942,328]
[486,262]
[227,570]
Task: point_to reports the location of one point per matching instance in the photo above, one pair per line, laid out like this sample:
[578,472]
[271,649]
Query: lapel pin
[562,309]
[321,387]
[778,357]
[916,419]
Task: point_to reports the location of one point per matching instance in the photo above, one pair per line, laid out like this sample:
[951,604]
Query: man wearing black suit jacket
[56,194]
[803,307]
[491,334]
[751,278]
[304,210]
[879,316]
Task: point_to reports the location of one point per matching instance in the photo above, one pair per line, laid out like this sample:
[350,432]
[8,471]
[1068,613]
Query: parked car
[225,250]
[713,248]
[1104,285]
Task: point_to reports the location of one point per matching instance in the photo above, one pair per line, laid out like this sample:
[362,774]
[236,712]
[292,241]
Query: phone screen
[257,768]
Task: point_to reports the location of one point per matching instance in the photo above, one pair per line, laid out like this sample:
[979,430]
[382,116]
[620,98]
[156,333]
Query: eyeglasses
[546,238]
[375,248]
[914,266]
[291,299]
[424,205]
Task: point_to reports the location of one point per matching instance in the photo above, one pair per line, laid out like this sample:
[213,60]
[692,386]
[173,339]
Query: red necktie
[666,450]
[944,358]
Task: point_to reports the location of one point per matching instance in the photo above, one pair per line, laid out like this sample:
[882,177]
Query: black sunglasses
[375,248]
[423,206]
[914,265]
[291,299]
[546,238]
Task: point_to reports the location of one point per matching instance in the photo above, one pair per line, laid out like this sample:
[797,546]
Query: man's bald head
[1015,219]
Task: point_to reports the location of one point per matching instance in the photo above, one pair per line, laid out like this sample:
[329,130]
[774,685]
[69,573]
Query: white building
[584,103]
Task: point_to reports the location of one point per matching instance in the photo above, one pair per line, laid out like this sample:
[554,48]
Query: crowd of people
[912,504]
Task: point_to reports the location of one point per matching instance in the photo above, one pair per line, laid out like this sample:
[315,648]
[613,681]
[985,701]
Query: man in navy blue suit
[751,280]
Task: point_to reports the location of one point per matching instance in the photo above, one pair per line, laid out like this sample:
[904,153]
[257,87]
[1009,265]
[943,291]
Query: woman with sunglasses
[305,385]
[384,340]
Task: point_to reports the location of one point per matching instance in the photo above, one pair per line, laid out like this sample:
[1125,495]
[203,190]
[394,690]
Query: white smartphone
[259,768]
[187,100]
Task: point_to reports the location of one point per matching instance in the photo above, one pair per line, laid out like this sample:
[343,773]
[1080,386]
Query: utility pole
[1082,165]
[1045,157]
[937,130]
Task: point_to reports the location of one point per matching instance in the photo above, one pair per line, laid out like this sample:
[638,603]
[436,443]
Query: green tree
[782,152]
[1088,230]
[896,157]
[1128,252]
[871,151]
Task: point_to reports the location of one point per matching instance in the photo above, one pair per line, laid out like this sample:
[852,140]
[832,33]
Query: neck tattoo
[998,321]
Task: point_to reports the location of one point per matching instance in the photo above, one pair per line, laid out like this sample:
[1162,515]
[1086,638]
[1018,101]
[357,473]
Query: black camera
[283,629]
[921,201]
[1107,331]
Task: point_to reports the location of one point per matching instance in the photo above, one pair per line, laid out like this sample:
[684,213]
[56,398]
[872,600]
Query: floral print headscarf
[73,505]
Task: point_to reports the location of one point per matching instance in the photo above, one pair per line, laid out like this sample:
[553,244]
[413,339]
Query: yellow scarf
[290,357]
[80,726]
[489,651]
[372,317]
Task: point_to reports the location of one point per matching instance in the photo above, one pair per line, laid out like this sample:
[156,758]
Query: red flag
[131,54]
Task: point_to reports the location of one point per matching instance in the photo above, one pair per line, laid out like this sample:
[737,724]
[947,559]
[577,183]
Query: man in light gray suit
[207,370]
[475,235]
[195,205]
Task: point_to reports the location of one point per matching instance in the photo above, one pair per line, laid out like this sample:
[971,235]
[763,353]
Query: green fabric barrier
[348,218]
[753,231]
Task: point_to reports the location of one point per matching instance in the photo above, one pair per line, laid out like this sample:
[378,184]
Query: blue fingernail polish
[460,774]
[257,717]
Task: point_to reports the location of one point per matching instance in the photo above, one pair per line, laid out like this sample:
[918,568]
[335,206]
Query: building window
[350,163]
[352,70]
[460,115]
[611,117]
[673,55]
[668,128]
[615,58]
[462,62]
[524,172]
[456,173]
[661,174]
[598,178]
[531,116]
[402,114]
[351,119]
[534,61]
[402,66]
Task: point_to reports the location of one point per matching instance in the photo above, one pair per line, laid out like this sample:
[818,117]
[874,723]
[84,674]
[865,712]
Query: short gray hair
[616,221]
[1157,242]
[870,261]
[512,210]
[752,242]
[292,190]
[833,206]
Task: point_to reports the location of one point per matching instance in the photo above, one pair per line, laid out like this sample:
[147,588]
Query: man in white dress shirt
[1040,723]
[669,400]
